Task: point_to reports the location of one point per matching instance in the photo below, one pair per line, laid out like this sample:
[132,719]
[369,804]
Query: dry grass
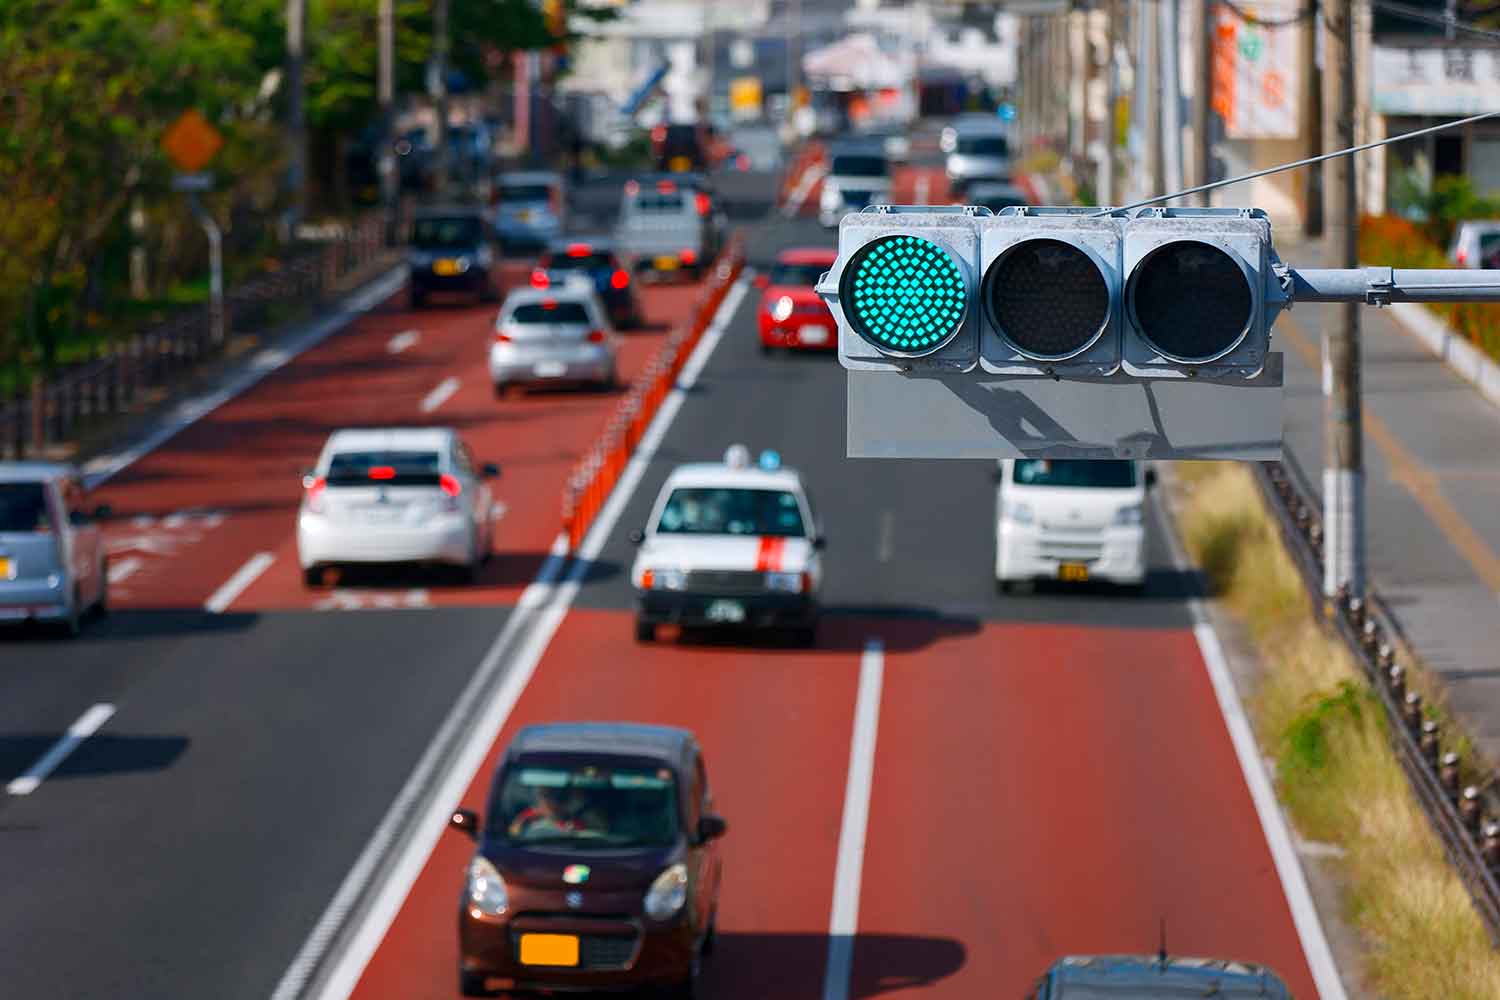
[1337,775]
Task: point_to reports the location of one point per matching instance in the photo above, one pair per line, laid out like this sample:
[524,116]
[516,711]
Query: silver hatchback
[52,553]
[553,335]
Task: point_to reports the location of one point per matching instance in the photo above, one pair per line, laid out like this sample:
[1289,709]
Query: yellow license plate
[549,949]
[4,568]
[445,267]
[1073,572]
[666,263]
[679,164]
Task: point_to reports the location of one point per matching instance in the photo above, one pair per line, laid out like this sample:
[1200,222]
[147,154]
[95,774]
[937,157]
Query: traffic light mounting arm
[1379,286]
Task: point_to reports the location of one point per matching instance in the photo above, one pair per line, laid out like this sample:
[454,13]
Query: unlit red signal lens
[1191,300]
[904,295]
[1048,298]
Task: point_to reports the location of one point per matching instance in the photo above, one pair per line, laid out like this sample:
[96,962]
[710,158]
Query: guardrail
[52,411]
[1457,808]
[593,478]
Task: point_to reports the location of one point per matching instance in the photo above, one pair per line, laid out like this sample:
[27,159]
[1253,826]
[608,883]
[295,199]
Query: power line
[1418,14]
[1261,22]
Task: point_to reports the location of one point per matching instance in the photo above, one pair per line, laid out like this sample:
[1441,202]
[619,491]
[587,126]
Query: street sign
[193,182]
[191,142]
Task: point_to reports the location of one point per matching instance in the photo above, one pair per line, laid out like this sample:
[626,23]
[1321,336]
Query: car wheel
[711,939]
[312,576]
[72,623]
[487,292]
[101,606]
[418,298]
[766,350]
[502,390]
[472,984]
[644,631]
[805,637]
[688,988]
[1004,586]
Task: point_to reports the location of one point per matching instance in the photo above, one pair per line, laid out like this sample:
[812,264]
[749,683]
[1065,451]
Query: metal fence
[53,411]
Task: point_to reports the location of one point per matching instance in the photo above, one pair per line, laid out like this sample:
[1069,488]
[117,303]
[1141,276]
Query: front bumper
[765,610]
[616,953]
[322,541]
[425,280]
[1116,555]
[800,332]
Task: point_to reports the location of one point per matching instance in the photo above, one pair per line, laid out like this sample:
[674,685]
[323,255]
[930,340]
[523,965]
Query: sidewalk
[1432,494]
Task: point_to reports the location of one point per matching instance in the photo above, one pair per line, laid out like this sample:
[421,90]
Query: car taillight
[501,337]
[620,279]
[704,205]
[742,161]
[596,336]
[632,188]
[648,577]
[449,485]
[314,485]
[689,255]
[1463,257]
[539,279]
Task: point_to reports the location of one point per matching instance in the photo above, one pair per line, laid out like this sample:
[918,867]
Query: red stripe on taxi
[768,557]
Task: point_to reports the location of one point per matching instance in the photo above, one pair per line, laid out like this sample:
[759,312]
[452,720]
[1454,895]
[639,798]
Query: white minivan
[1073,520]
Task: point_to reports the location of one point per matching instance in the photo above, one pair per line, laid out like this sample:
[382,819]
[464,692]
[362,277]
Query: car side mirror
[1150,478]
[711,827]
[637,537]
[821,542]
[762,281]
[103,512]
[490,470]
[467,821]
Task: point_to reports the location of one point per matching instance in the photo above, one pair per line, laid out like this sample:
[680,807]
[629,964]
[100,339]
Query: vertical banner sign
[1256,72]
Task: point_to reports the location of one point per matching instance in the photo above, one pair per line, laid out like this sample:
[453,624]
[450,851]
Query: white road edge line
[188,412]
[123,569]
[220,600]
[440,394]
[543,607]
[1273,823]
[87,725]
[843,922]
[403,340]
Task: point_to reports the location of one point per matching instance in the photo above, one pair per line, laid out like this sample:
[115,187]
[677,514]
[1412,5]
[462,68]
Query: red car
[791,314]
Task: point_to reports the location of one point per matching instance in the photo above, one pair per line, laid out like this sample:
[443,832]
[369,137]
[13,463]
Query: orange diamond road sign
[191,141]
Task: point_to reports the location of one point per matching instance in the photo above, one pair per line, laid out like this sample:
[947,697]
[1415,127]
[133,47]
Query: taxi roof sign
[737,456]
[191,142]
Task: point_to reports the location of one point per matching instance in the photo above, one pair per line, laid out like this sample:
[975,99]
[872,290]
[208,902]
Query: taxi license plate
[812,335]
[4,568]
[549,949]
[727,612]
[678,164]
[666,263]
[1073,572]
[549,369]
[445,266]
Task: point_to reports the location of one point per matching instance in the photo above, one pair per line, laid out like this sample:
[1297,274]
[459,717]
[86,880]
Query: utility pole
[386,93]
[1312,222]
[1108,195]
[1151,61]
[1203,123]
[296,123]
[438,87]
[1343,433]
[1170,89]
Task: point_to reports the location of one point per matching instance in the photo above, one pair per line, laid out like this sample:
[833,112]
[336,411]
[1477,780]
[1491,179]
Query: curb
[1455,350]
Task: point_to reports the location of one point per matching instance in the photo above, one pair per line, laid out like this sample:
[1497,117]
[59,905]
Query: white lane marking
[1273,822]
[798,195]
[498,510]
[439,395]
[142,521]
[922,188]
[190,411]
[844,921]
[539,612]
[174,520]
[886,545]
[402,340]
[233,587]
[123,569]
[87,725]
[341,599]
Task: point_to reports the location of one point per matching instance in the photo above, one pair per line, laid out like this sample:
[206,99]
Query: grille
[722,581]
[598,951]
[1071,551]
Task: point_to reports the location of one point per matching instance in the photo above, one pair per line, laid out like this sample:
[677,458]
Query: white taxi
[730,544]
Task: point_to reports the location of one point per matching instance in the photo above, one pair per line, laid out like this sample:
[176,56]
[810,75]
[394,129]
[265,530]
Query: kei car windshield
[446,234]
[729,511]
[23,507]
[588,802]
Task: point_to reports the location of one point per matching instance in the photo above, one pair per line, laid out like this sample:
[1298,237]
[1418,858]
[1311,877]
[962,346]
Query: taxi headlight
[782,308]
[486,889]
[668,893]
[461,264]
[1019,512]
[786,583]
[664,579]
[1127,516]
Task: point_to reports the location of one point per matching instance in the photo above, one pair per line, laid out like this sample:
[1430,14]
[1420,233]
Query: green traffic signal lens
[904,295]
[1191,300]
[1048,298]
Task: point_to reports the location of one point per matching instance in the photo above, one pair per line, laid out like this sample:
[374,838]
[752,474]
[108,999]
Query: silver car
[52,554]
[530,210]
[553,335]
[978,153]
[1476,243]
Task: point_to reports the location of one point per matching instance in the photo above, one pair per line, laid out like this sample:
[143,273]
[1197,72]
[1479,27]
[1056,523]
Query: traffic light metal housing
[902,290]
[1202,288]
[1050,292]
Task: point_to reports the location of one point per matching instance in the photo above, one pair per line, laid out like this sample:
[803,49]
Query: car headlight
[664,579]
[461,264]
[668,893]
[781,309]
[830,196]
[786,583]
[486,889]
[1019,512]
[1128,515]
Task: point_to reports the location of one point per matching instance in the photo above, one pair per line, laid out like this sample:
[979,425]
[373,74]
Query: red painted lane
[536,439]
[1046,790]
[775,726]
[904,185]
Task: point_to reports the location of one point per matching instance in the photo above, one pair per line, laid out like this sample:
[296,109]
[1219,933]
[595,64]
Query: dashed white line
[886,544]
[438,396]
[243,577]
[87,725]
[844,920]
[403,340]
[123,569]
[922,188]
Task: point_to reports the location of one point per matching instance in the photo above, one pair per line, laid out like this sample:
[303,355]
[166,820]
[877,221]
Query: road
[1037,774]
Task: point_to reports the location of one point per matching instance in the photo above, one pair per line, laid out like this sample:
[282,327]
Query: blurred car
[669,228]
[1476,243]
[597,865]
[893,140]
[52,554]
[730,545]
[979,152]
[1156,977]
[595,259]
[449,251]
[992,194]
[1072,520]
[397,495]
[557,334]
[791,314]
[858,176]
[756,147]
[681,146]
[530,209]
[413,158]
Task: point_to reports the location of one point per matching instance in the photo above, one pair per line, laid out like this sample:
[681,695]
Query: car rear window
[525,192]
[588,801]
[392,468]
[983,145]
[555,312]
[1489,250]
[797,274]
[858,166]
[1108,473]
[23,507]
[731,511]
[458,232]
[659,201]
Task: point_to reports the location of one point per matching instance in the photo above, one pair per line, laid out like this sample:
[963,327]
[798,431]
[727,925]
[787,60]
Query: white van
[1073,520]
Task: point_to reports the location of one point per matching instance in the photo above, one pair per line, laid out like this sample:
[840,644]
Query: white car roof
[385,438]
[711,474]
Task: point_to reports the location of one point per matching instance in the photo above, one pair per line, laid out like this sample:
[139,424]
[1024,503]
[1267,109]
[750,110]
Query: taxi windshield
[727,511]
[1107,473]
[587,802]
